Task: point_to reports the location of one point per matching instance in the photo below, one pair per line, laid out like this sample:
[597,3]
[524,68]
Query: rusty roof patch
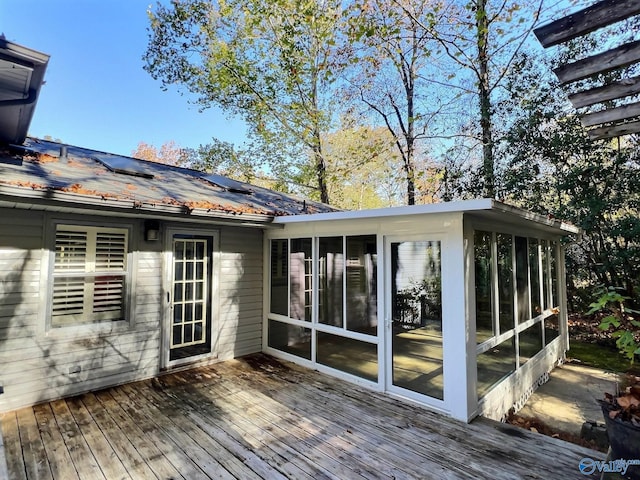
[44,165]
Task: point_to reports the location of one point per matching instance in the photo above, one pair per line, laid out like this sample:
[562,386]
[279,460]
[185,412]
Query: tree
[169,153]
[362,167]
[271,62]
[222,158]
[481,39]
[556,170]
[393,50]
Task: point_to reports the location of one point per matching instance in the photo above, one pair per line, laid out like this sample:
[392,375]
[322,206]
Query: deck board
[258,417]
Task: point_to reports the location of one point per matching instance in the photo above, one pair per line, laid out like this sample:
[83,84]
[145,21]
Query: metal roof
[21,75]
[53,175]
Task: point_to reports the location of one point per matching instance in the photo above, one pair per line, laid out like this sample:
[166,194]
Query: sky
[97,94]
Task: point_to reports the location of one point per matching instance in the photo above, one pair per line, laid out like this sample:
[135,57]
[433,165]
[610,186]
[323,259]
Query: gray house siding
[39,362]
[240,283]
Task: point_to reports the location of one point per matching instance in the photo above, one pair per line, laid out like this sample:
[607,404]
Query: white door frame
[167,294]
[388,333]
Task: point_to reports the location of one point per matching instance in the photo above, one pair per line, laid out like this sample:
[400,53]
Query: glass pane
[188,291]
[534,271]
[495,364]
[199,311]
[177,314]
[188,312]
[330,275]
[530,342]
[483,280]
[545,274]
[178,250]
[348,355]
[189,271]
[290,338]
[179,271]
[362,292]
[189,250]
[200,250]
[199,270]
[554,274]
[417,317]
[551,328]
[177,335]
[188,333]
[279,277]
[198,332]
[177,292]
[300,278]
[522,279]
[505,281]
[199,290]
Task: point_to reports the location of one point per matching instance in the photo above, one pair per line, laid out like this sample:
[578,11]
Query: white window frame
[87,326]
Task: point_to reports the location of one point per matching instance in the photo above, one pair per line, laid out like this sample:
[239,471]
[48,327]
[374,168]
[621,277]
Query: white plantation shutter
[90,272]
[71,250]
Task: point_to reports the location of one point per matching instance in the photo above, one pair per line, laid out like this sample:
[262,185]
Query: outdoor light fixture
[151,230]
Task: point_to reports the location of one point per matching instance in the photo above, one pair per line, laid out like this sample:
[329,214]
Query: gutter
[51,199]
[17,102]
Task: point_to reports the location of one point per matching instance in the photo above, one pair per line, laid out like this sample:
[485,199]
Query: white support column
[459,336]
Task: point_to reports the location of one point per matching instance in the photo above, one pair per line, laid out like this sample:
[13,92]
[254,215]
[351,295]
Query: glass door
[415,303]
[190,319]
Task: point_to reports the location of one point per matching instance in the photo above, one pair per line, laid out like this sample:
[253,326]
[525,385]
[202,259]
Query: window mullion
[495,300]
[90,268]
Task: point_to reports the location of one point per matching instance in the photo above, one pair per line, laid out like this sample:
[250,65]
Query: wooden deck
[257,417]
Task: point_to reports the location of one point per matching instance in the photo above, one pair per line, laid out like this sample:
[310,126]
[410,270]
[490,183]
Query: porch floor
[258,417]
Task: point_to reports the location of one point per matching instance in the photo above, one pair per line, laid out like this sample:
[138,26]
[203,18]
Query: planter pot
[624,439]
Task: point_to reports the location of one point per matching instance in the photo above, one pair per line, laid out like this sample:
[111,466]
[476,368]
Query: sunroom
[457,306]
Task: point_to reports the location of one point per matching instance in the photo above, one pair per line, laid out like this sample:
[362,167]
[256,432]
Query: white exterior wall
[36,362]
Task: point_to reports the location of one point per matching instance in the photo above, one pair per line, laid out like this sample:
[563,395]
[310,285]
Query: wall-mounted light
[151,230]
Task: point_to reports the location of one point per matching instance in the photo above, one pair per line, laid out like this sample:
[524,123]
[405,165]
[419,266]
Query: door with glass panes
[189,295]
[415,365]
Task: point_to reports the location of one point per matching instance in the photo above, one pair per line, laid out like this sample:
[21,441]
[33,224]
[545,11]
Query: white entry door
[188,329]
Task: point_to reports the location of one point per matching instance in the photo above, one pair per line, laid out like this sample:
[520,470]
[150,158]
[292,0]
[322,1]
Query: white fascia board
[465,206]
[445,207]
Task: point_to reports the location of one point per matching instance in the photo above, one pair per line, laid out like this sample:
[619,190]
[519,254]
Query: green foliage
[554,169]
[626,329]
[271,62]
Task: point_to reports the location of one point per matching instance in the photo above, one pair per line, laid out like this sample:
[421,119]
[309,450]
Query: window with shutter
[89,275]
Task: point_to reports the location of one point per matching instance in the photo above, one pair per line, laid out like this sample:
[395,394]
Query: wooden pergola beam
[612,91]
[603,133]
[585,21]
[618,114]
[603,62]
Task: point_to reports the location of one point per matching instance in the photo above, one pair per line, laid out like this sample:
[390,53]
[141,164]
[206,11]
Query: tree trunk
[321,168]
[484,91]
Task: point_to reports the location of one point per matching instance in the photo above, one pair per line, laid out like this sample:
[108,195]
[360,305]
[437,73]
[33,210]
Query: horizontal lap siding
[36,366]
[239,325]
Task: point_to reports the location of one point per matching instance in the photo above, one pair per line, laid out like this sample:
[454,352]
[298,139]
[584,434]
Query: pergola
[603,120]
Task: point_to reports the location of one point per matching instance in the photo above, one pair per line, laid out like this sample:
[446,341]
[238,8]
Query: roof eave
[20,113]
[51,199]
[464,206]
